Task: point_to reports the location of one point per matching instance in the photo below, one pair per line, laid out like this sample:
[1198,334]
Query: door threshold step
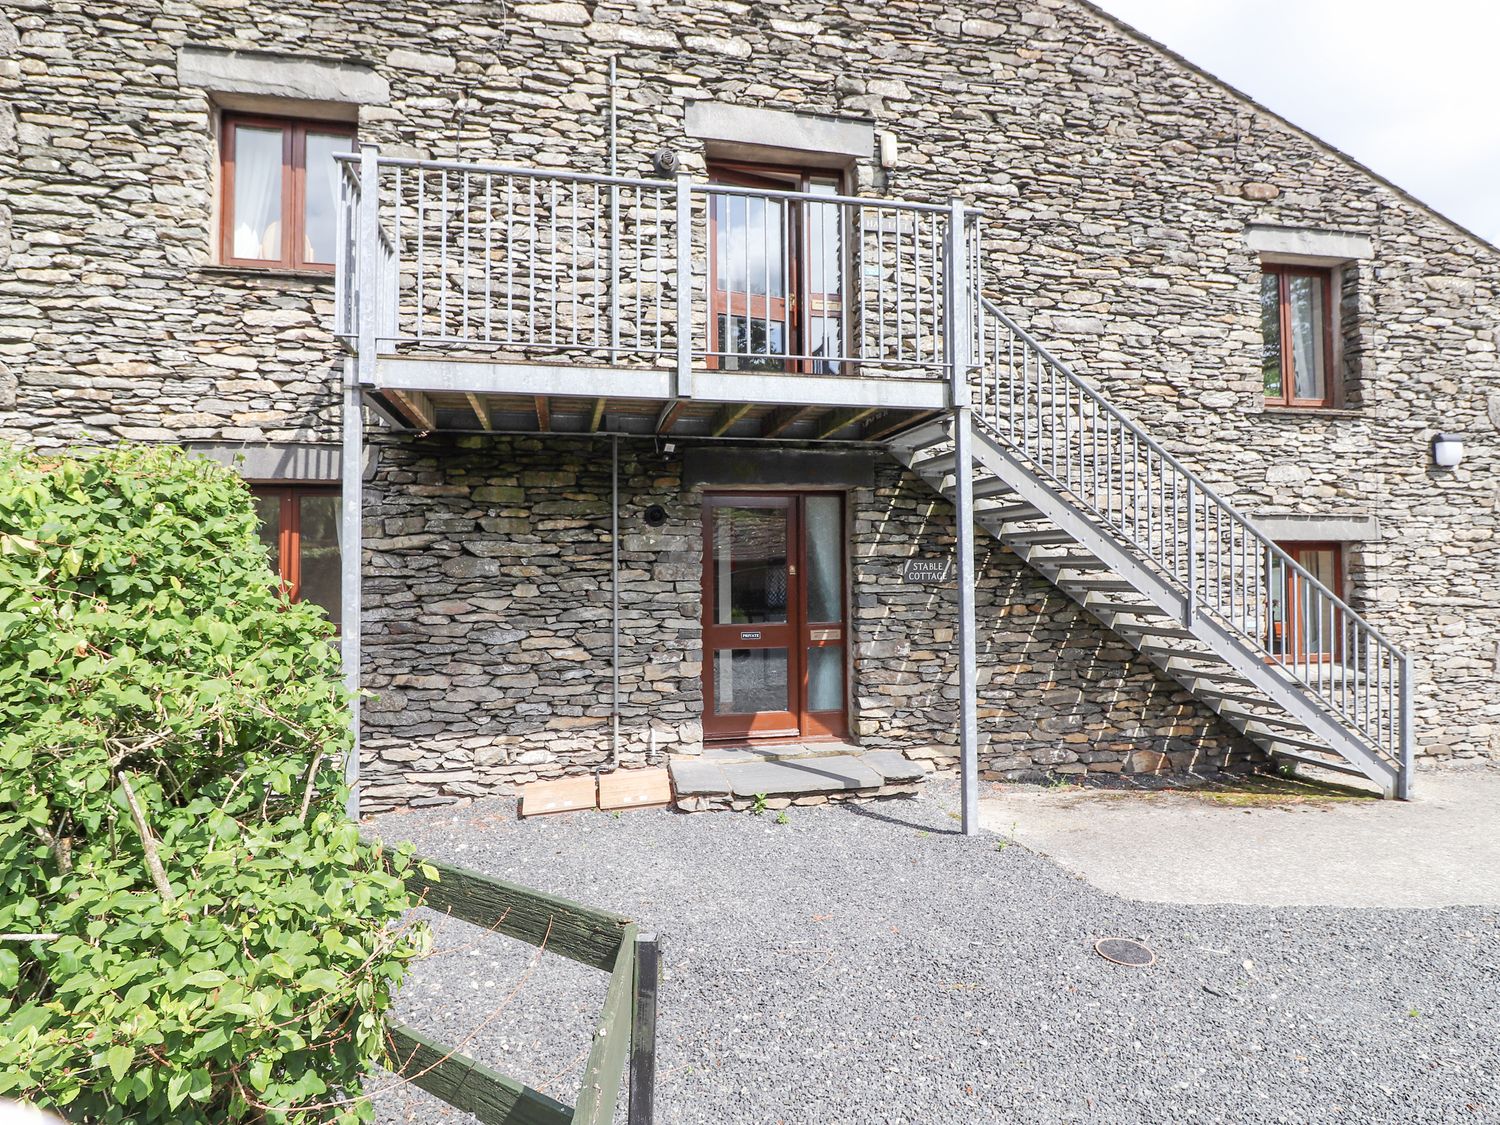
[731,753]
[700,784]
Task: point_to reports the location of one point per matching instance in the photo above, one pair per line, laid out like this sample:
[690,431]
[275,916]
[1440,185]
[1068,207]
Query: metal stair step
[1150,645]
[1056,563]
[1229,696]
[1176,631]
[1007,513]
[1287,740]
[1238,714]
[1102,585]
[935,465]
[1335,764]
[922,437]
[1044,537]
[1146,609]
[984,490]
[1214,674]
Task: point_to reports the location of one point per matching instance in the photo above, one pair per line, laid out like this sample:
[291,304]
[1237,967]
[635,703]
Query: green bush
[171,808]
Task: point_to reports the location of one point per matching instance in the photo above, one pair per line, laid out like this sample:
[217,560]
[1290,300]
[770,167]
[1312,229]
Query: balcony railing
[559,267]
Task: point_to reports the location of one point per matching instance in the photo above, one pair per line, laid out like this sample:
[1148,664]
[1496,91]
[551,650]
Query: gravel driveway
[865,963]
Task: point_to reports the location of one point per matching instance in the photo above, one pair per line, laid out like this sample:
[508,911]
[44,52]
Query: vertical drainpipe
[963,512]
[614,597]
[358,372]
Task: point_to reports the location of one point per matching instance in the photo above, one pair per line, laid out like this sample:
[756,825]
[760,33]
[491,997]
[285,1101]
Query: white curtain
[257,193]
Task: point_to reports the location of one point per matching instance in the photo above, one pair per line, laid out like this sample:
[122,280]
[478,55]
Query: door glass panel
[1319,624]
[257,193]
[1270,327]
[320,553]
[322,178]
[750,279]
[747,680]
[825,678]
[825,559]
[268,512]
[1307,313]
[750,566]
[824,287]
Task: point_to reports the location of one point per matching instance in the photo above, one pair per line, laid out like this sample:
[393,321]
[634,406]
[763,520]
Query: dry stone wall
[1116,185]
[488,631]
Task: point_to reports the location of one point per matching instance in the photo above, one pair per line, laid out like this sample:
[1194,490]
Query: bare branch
[307,792]
[148,842]
[29,937]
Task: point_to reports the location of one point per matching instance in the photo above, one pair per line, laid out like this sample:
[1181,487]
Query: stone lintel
[1296,244]
[751,133]
[255,80]
[1319,529]
[284,462]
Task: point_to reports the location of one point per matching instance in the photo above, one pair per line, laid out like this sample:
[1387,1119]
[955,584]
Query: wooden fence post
[643,1031]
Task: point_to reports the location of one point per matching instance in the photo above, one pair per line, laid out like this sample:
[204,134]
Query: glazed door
[776,277]
[773,617]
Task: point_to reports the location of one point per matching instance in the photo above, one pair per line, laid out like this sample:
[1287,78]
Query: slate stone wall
[1116,184]
[488,631]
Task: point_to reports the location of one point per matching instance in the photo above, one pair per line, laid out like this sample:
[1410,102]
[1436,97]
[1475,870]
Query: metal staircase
[1102,511]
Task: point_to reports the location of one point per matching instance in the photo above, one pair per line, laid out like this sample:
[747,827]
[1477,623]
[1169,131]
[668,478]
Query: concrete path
[1441,849]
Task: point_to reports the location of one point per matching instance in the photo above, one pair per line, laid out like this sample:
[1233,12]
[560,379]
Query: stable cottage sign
[927,571]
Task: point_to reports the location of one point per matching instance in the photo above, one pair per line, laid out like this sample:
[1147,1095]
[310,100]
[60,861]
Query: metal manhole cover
[1123,951]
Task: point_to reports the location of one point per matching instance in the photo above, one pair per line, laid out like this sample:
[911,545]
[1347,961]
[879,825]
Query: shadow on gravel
[881,812]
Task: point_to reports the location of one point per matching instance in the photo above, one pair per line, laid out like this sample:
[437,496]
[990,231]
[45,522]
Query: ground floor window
[300,527]
[1306,624]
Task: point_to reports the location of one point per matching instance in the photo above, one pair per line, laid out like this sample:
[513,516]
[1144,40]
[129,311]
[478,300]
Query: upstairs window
[300,527]
[280,191]
[1296,316]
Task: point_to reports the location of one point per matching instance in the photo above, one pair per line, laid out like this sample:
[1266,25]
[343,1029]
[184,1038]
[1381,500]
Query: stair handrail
[1391,736]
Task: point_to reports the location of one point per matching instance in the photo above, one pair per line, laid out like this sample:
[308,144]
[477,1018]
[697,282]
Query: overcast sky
[1411,89]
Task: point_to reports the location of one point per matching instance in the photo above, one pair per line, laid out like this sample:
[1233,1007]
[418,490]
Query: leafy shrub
[171,808]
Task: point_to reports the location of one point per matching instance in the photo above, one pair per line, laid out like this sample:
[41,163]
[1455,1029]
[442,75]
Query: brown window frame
[1291,646]
[1283,272]
[294,132]
[289,535]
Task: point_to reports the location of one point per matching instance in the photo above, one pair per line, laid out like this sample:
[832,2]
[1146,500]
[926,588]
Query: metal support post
[684,286]
[1408,732]
[1190,606]
[358,371]
[959,336]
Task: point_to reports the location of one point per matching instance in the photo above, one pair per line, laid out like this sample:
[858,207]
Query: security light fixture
[1447,450]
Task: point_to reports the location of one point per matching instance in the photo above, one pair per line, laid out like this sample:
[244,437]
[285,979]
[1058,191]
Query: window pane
[1307,320]
[320,553]
[322,195]
[1270,326]
[825,559]
[750,679]
[268,511]
[750,565]
[257,192]
[825,679]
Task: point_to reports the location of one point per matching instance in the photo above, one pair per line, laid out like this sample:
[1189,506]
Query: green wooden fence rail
[626,1027]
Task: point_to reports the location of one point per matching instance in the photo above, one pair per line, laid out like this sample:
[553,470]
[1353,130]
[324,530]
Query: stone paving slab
[894,766]
[691,778]
[806,775]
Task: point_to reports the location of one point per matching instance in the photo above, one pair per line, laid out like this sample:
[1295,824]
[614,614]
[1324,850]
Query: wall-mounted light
[1447,450]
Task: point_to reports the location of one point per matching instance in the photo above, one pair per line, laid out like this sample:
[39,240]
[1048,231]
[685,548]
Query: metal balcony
[523,298]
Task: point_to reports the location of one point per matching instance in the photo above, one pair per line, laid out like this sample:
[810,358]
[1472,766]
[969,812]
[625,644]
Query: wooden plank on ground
[470,1086]
[606,1066]
[567,794]
[556,924]
[635,789]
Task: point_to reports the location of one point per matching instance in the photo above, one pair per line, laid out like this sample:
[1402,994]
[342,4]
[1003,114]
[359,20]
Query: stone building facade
[1129,206]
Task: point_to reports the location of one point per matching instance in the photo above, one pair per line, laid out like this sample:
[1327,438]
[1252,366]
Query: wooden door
[773,616]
